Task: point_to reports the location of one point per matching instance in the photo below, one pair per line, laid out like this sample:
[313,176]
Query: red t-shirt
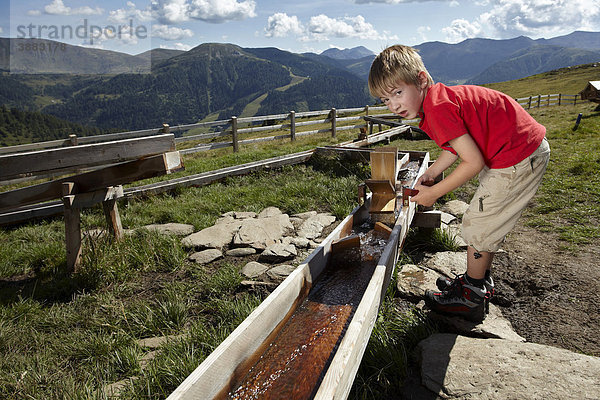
[504,132]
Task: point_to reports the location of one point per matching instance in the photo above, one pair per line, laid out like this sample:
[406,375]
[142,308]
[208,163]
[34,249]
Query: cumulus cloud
[176,46]
[282,25]
[57,7]
[541,17]
[322,27]
[422,31]
[395,1]
[171,32]
[461,29]
[123,15]
[213,11]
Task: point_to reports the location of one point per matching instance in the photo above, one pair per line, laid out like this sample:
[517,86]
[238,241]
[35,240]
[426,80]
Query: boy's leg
[478,262]
[497,204]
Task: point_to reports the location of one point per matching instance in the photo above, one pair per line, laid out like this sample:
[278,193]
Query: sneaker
[460,298]
[443,283]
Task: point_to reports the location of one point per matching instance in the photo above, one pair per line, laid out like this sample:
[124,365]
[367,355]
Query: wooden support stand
[73,203]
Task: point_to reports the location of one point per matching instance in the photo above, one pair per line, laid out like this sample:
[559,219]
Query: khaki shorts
[500,199]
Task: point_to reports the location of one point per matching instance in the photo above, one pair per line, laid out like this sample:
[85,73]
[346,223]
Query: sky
[299,26]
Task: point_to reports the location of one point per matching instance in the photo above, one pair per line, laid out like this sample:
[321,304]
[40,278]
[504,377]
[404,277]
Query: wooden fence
[243,130]
[546,100]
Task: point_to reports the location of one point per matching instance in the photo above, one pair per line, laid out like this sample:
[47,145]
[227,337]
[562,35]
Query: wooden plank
[71,158]
[88,182]
[427,219]
[72,228]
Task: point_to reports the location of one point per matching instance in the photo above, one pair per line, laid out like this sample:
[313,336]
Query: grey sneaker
[460,298]
[443,283]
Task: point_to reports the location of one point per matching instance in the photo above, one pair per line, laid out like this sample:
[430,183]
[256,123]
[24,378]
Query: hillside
[21,127]
[570,80]
[534,60]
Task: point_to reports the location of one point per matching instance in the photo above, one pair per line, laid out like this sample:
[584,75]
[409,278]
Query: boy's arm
[471,163]
[445,160]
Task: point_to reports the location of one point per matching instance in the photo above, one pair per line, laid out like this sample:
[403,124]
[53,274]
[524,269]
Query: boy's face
[405,100]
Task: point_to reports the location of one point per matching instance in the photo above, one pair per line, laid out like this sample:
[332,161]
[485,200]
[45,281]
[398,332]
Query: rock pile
[282,241]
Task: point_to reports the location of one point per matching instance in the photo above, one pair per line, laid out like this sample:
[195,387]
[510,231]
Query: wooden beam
[91,181]
[71,158]
[72,228]
[427,219]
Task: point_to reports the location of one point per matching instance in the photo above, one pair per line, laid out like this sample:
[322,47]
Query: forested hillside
[20,127]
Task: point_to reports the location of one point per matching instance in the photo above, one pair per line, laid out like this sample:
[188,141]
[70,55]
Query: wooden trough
[219,375]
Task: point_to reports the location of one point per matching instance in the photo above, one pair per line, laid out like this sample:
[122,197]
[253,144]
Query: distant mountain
[348,54]
[534,60]
[212,78]
[577,39]
[40,56]
[156,56]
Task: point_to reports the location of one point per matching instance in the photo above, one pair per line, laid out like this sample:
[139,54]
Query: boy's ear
[423,81]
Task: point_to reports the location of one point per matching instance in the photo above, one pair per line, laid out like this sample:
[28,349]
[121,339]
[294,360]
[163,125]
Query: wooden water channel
[307,338]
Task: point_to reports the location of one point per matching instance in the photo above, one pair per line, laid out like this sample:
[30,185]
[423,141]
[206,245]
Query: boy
[494,137]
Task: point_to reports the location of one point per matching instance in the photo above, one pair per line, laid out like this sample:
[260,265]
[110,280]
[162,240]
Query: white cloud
[282,25]
[396,1]
[422,31]
[461,29]
[57,7]
[171,11]
[123,15]
[171,32]
[321,27]
[541,17]
[454,3]
[213,11]
[176,46]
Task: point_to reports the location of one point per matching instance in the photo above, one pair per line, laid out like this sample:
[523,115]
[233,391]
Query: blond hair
[393,65]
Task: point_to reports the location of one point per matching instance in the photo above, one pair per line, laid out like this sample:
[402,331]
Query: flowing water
[293,363]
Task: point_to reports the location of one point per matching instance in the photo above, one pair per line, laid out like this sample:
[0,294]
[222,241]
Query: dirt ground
[550,296]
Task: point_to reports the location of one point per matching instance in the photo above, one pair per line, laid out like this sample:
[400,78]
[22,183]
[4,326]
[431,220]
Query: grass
[65,337]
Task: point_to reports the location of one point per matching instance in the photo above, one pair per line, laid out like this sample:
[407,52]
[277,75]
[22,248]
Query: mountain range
[116,91]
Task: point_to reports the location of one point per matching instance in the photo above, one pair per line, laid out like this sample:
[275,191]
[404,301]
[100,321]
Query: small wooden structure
[591,92]
[135,159]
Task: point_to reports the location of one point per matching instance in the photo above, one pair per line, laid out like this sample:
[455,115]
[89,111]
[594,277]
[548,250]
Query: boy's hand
[427,195]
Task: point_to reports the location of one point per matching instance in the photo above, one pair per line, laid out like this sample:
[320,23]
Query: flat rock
[454,232]
[278,252]
[305,215]
[447,218]
[448,263]
[216,236]
[254,269]
[459,367]
[171,228]
[269,212]
[414,280]
[313,226]
[256,285]
[455,207]
[241,252]
[262,232]
[206,256]
[494,325]
[280,272]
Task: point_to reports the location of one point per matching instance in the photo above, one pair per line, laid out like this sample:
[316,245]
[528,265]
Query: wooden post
[293,125]
[539,100]
[72,228]
[73,140]
[234,133]
[166,128]
[559,98]
[529,104]
[367,110]
[333,122]
[113,219]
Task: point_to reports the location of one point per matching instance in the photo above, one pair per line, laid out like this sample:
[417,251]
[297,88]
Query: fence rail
[292,123]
